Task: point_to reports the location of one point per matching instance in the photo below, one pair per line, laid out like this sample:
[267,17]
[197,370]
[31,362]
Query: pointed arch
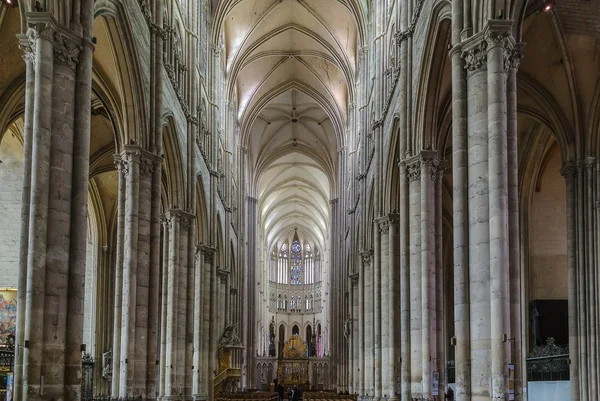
[173,175]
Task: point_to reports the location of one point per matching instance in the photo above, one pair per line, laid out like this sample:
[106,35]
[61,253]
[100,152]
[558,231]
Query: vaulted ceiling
[291,65]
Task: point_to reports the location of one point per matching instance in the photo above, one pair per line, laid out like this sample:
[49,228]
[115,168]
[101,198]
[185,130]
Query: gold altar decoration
[295,348]
[293,368]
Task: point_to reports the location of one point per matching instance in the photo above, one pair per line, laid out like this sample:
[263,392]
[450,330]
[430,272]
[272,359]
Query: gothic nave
[384,199]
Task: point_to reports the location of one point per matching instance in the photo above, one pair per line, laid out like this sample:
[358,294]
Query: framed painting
[8,313]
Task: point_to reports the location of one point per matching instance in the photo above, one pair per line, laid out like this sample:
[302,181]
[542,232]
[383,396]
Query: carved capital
[354,278]
[208,255]
[413,169]
[394,219]
[569,171]
[475,56]
[497,39]
[223,274]
[590,164]
[430,161]
[366,257]
[384,226]
[66,50]
[128,158]
[512,57]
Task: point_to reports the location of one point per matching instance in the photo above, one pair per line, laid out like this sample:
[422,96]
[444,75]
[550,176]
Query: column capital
[497,33]
[383,224]
[366,256]
[223,274]
[413,168]
[512,58]
[207,250]
[177,215]
[393,218]
[569,171]
[474,52]
[590,163]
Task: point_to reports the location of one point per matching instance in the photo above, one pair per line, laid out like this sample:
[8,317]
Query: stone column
[413,173]
[250,289]
[116,349]
[405,337]
[393,367]
[361,329]
[516,308]
[497,35]
[384,300]
[429,168]
[171,388]
[369,363]
[131,158]
[206,374]
[162,371]
[29,58]
[377,316]
[50,317]
[474,53]
[136,290]
[569,172]
[460,223]
[197,325]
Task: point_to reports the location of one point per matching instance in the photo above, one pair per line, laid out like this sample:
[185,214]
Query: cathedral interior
[366,199]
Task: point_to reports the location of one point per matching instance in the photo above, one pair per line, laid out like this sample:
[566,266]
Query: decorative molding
[475,56]
[430,160]
[352,210]
[66,50]
[512,58]
[384,226]
[354,279]
[223,274]
[394,219]
[413,169]
[408,33]
[366,257]
[590,164]
[569,171]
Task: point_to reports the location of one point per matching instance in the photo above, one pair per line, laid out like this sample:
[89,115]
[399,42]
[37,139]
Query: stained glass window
[296,262]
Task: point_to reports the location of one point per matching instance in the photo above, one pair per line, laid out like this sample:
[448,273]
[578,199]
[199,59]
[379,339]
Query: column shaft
[498,206]
[460,225]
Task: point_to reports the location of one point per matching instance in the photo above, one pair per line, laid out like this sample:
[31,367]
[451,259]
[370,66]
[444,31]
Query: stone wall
[11,183]
[548,235]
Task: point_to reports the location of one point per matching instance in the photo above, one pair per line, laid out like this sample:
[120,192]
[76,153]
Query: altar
[292,369]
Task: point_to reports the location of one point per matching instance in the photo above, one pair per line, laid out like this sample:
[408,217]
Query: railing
[227,378]
[111,398]
[548,363]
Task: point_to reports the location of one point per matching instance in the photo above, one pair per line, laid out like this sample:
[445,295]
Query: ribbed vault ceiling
[289,63]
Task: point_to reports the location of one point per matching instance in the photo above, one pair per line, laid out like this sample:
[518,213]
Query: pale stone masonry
[396,183]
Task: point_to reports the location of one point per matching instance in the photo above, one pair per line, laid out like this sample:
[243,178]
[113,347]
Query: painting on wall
[8,313]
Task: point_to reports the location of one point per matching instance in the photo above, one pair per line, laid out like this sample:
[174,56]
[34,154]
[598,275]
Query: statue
[230,338]
[272,337]
[347,323]
[107,362]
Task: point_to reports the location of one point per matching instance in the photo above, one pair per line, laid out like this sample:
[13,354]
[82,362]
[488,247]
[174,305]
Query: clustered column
[583,222]
[486,275]
[419,278]
[56,157]
[134,291]
[176,287]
